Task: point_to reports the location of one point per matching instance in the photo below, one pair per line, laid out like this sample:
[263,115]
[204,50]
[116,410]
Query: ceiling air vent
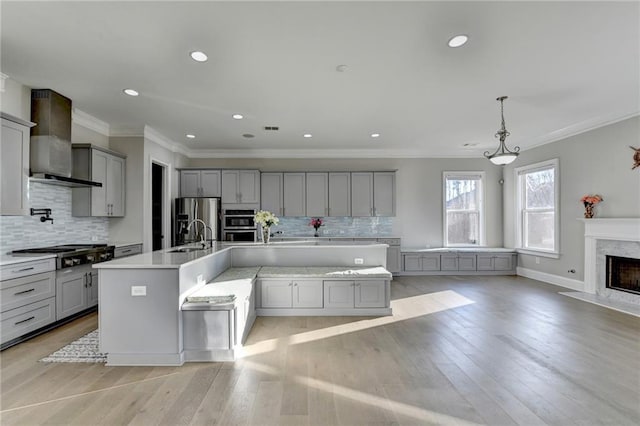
[271,128]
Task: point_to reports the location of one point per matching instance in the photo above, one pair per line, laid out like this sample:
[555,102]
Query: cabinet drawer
[390,241]
[127,251]
[22,291]
[23,269]
[20,321]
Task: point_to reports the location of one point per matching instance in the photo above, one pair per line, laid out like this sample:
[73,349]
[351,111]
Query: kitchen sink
[185,250]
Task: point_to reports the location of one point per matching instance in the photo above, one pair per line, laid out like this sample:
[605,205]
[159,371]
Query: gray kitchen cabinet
[354,294]
[384,193]
[104,166]
[294,194]
[361,194]
[448,262]
[27,297]
[339,194]
[394,256]
[76,290]
[271,193]
[317,194]
[457,262]
[421,262]
[200,183]
[241,186]
[412,262]
[14,166]
[496,262]
[125,251]
[291,293]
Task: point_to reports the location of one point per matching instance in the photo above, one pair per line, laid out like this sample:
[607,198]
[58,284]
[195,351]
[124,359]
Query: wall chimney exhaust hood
[50,147]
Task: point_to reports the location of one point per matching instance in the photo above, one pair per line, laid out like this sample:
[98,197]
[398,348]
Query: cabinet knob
[295,284]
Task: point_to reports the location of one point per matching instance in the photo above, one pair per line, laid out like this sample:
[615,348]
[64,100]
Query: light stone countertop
[457,250]
[324,272]
[171,259]
[233,274]
[7,259]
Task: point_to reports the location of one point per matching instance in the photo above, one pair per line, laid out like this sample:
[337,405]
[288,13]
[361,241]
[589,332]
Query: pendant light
[502,155]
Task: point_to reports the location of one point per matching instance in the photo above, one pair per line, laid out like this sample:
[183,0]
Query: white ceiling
[566,67]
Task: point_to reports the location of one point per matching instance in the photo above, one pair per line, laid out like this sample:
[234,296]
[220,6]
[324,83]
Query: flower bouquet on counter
[589,201]
[266,219]
[316,222]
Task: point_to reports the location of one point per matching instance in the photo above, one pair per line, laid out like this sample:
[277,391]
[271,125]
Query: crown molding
[120,131]
[3,77]
[316,153]
[157,137]
[578,128]
[90,122]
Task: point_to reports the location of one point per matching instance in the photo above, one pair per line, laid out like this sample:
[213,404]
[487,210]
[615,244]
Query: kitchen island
[142,297]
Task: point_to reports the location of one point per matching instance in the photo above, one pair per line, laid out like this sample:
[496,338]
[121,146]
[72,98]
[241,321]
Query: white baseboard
[551,279]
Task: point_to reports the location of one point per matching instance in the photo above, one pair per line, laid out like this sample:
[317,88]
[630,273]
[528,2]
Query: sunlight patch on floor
[403,309]
[426,416]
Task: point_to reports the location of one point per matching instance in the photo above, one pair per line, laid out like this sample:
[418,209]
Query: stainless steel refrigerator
[188,209]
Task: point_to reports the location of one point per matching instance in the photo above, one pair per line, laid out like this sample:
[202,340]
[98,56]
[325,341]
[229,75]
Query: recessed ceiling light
[198,56]
[248,135]
[457,41]
[307,135]
[375,135]
[130,92]
[238,116]
[341,68]
[190,136]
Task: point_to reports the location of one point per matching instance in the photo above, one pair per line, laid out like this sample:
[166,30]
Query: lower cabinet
[20,321]
[76,290]
[355,294]
[288,293]
[451,262]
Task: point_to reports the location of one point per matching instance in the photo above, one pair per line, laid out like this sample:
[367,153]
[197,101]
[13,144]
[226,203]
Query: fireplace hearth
[623,274]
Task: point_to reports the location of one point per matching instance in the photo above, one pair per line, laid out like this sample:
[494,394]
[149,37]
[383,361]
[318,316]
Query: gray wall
[418,218]
[128,229]
[595,162]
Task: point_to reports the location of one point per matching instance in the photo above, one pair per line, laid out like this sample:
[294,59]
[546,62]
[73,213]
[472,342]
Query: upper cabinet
[339,194]
[384,193]
[373,193]
[317,194]
[106,167]
[271,193]
[362,194]
[200,183]
[241,186]
[14,166]
[294,194]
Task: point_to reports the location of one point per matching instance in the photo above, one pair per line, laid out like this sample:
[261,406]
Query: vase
[588,211]
[266,234]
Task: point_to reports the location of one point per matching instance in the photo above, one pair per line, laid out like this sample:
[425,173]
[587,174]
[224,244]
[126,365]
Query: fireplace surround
[623,274]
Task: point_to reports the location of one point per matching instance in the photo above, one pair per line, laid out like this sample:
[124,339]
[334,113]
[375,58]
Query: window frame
[520,210]
[481,207]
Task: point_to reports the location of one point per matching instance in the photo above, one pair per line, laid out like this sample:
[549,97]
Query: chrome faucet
[203,235]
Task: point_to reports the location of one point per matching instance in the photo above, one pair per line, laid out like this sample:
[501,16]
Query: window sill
[530,252]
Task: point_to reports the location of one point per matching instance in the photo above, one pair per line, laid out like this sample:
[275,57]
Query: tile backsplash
[336,227]
[18,232]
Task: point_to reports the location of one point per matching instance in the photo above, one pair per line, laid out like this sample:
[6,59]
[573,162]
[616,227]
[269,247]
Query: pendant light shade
[502,155]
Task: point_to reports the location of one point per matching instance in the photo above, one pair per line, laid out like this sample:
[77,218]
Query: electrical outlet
[138,290]
[94,238]
[200,279]
[537,260]
[359,261]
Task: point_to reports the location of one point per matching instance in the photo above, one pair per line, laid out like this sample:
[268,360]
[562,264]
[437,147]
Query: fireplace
[623,274]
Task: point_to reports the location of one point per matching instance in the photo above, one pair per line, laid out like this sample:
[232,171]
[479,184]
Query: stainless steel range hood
[50,147]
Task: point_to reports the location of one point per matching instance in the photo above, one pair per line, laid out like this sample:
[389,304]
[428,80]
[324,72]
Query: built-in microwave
[239,219]
[244,235]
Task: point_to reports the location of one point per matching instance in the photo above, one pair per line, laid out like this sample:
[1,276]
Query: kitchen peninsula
[147,318]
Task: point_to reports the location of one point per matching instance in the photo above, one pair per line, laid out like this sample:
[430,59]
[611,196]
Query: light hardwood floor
[458,350]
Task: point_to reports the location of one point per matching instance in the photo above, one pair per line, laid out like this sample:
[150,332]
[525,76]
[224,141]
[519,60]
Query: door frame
[166,202]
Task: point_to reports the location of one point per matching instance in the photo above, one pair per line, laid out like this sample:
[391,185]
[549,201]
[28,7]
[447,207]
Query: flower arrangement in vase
[316,222]
[266,219]
[589,201]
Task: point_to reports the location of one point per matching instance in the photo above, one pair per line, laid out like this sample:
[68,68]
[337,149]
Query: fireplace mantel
[619,229]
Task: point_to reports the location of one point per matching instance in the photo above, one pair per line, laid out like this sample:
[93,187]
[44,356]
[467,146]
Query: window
[463,208]
[537,197]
